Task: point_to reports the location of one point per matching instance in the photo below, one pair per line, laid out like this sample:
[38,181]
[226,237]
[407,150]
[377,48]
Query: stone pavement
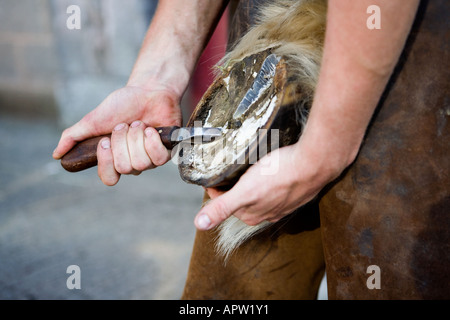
[131,241]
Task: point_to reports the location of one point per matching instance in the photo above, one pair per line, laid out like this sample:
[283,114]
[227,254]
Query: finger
[69,138]
[106,170]
[119,145]
[218,210]
[155,149]
[140,160]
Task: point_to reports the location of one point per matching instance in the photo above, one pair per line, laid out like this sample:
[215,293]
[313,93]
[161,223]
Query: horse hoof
[260,104]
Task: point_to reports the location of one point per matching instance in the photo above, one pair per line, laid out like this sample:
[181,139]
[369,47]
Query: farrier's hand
[356,66]
[175,39]
[129,114]
[274,187]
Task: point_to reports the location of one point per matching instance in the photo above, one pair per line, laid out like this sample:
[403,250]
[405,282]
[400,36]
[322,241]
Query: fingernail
[106,144]
[119,127]
[203,222]
[148,132]
[135,124]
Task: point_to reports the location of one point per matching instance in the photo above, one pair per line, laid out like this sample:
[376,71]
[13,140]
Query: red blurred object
[214,51]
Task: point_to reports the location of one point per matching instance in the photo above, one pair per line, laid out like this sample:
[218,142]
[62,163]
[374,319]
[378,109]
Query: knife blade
[171,136]
[84,154]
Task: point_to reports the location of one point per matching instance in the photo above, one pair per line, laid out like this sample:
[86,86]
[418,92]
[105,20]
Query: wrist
[174,41]
[160,72]
[163,62]
[326,153]
[154,81]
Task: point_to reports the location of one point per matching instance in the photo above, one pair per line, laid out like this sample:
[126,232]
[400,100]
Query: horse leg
[283,262]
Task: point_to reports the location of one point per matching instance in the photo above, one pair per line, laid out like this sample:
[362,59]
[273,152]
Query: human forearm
[176,37]
[356,66]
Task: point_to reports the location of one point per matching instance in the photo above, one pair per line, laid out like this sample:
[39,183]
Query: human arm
[176,37]
[356,66]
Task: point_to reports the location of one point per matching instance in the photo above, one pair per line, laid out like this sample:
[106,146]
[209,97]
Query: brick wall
[45,68]
[27,55]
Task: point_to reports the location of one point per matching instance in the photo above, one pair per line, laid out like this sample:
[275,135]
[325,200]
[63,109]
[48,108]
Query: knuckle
[66,134]
[157,152]
[141,164]
[123,168]
[222,209]
[108,181]
[159,159]
[108,178]
[103,161]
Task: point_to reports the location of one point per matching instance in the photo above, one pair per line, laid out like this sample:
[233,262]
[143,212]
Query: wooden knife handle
[84,154]
[165,133]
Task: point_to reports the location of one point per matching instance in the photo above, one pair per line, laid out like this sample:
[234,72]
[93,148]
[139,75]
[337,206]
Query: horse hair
[295,30]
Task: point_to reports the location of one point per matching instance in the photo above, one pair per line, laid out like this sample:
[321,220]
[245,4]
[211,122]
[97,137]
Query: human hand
[129,114]
[353,75]
[259,196]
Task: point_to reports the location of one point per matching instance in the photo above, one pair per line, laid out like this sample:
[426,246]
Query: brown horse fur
[292,29]
[389,209]
[282,260]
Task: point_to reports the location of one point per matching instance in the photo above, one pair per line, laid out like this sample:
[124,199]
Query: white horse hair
[293,29]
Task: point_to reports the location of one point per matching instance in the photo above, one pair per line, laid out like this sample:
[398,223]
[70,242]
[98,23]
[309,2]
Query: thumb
[69,138]
[218,210]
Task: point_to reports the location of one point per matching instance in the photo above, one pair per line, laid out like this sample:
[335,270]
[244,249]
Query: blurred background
[131,241]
